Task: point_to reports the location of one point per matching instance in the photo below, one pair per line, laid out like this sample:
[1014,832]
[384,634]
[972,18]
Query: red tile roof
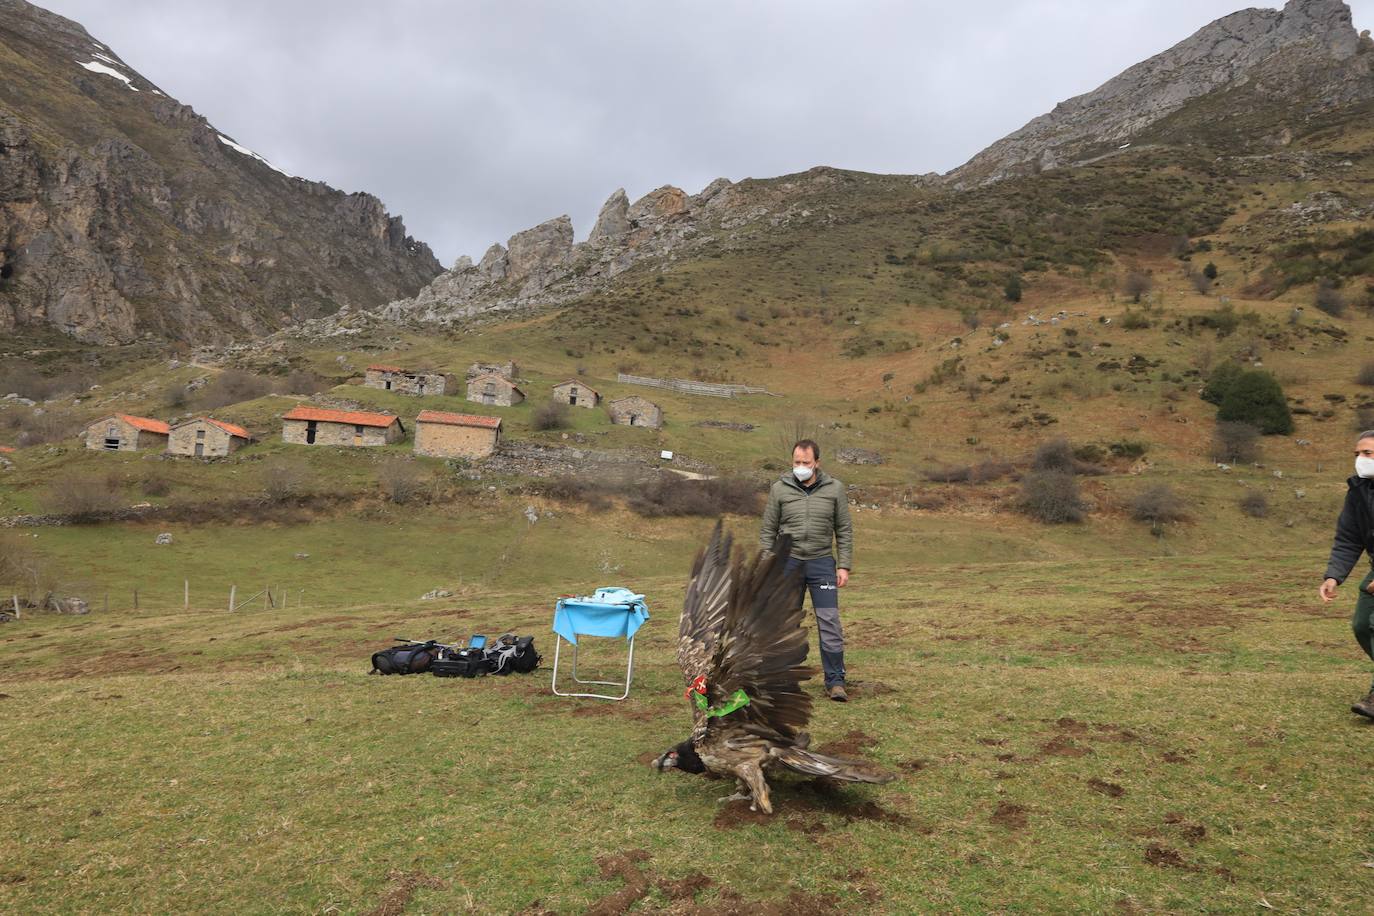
[229,428]
[147,424]
[380,368]
[458,419]
[350,417]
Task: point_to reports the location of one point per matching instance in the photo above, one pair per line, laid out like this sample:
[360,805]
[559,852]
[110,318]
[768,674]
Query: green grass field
[1081,722]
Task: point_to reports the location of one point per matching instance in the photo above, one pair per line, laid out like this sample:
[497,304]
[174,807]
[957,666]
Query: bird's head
[682,757]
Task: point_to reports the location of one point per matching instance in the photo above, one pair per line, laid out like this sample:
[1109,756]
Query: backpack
[512,653]
[411,658]
[460,663]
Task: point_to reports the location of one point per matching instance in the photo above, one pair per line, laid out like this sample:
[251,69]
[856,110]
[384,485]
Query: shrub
[1210,271]
[670,494]
[1158,505]
[401,479]
[1220,382]
[82,498]
[1135,321]
[1201,282]
[233,386]
[1012,290]
[1137,284]
[284,479]
[176,395]
[969,473]
[1257,398]
[156,483]
[1255,505]
[1235,443]
[302,382]
[1054,455]
[1330,300]
[1128,448]
[1052,497]
[553,415]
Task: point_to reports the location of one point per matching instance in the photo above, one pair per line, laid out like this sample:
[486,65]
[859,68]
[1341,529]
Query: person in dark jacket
[1355,535]
[813,508]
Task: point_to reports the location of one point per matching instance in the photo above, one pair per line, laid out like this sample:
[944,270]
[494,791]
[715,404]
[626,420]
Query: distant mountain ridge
[124,213]
[1292,63]
[1307,50]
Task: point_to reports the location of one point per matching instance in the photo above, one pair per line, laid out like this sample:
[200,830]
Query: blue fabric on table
[612,611]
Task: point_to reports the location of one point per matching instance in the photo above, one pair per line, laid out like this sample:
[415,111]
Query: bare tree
[1137,284]
[283,479]
[401,479]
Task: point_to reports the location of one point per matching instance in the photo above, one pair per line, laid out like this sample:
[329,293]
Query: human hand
[841,578]
[1328,590]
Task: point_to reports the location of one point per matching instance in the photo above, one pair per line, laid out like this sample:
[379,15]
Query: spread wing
[703,611]
[762,648]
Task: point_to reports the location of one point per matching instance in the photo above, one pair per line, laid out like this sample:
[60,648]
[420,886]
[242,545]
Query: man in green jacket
[813,507]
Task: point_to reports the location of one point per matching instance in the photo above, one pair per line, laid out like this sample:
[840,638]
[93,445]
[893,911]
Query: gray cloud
[476,120]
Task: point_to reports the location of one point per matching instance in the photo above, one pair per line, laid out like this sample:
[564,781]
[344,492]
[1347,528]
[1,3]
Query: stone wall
[130,437]
[413,383]
[493,390]
[576,395]
[636,411]
[326,433]
[444,440]
[216,442]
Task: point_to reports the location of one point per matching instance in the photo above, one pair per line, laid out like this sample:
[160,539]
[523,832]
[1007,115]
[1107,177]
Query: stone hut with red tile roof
[408,381]
[456,435]
[576,394]
[494,389]
[206,437]
[325,426]
[123,432]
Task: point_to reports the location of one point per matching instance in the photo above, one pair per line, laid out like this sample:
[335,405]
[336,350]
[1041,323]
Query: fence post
[135,599]
[266,597]
[186,594]
[107,602]
[16,606]
[232,589]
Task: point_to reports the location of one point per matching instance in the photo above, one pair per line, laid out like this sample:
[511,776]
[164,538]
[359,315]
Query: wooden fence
[688,386]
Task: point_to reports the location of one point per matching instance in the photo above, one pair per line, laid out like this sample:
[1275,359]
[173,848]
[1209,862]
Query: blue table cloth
[612,611]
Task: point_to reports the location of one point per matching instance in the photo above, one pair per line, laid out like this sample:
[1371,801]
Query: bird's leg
[741,793]
[752,775]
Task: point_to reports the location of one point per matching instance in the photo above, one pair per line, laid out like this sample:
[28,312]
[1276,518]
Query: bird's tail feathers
[841,768]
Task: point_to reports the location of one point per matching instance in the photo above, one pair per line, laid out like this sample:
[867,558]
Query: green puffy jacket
[816,517]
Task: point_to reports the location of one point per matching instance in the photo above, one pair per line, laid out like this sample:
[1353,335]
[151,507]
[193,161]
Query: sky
[474,119]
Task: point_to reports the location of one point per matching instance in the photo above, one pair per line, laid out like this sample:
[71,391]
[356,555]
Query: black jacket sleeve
[1349,542]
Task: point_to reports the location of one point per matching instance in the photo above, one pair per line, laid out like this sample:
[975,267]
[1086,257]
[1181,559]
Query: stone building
[635,411]
[576,394]
[508,369]
[326,426]
[407,381]
[494,389]
[456,435]
[125,433]
[205,437]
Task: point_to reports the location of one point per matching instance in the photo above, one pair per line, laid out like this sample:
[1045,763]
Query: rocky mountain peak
[1306,40]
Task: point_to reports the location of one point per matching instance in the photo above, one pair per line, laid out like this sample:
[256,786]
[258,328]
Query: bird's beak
[669,759]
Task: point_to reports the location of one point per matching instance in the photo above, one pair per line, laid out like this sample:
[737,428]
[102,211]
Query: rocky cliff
[1308,53]
[123,212]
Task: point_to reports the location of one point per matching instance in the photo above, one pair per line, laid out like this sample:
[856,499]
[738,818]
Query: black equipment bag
[460,663]
[512,653]
[412,658]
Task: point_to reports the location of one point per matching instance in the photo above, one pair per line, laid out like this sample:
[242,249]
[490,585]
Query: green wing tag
[738,699]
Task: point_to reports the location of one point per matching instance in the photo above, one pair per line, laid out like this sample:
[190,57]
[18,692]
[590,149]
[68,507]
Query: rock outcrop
[125,213]
[1307,42]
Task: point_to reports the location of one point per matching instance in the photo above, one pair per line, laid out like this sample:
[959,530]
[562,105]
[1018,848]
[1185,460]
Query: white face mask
[803,473]
[1364,467]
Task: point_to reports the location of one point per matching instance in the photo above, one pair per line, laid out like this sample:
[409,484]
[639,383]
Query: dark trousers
[1363,621]
[818,577]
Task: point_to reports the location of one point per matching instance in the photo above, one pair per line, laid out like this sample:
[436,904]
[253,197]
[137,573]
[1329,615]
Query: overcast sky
[477,119]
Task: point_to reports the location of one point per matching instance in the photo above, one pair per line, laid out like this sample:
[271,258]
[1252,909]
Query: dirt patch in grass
[868,689]
[851,745]
[914,765]
[1161,856]
[1060,746]
[1175,757]
[684,888]
[806,803]
[624,866]
[1010,816]
[403,885]
[639,880]
[1191,832]
[1109,789]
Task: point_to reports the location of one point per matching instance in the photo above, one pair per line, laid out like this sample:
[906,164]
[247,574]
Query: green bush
[1256,397]
[1220,382]
[1013,289]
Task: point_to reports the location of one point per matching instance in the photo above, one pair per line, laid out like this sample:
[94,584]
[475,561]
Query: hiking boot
[836,693]
[1365,707]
